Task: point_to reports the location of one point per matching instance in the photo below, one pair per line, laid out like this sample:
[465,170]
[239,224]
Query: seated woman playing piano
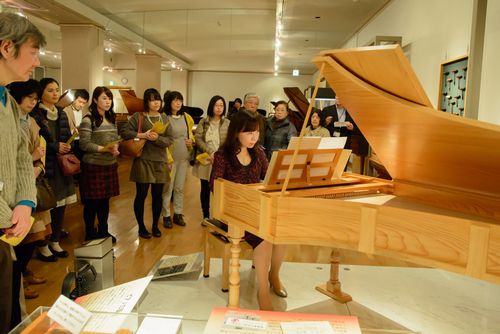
[241,160]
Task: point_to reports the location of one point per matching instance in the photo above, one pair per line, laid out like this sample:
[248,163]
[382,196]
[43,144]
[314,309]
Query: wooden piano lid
[297,98]
[418,144]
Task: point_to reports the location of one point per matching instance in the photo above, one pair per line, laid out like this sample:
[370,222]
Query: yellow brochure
[73,136]
[203,158]
[14,241]
[159,127]
[43,144]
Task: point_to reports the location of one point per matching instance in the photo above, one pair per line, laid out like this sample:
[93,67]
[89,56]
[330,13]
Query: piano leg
[235,234]
[332,288]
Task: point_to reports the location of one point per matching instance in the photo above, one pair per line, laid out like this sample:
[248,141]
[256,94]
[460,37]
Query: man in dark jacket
[338,121]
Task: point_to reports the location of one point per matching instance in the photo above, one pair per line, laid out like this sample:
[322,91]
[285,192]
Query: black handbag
[80,279]
[45,197]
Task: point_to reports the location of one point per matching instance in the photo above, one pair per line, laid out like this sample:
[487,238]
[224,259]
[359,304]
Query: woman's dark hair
[150,94]
[281,102]
[238,100]
[242,121]
[321,119]
[94,113]
[20,89]
[44,83]
[211,104]
[168,97]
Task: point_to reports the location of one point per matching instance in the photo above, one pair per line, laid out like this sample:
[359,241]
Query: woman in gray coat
[151,168]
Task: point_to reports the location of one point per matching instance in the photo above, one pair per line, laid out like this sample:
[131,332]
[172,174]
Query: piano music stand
[312,167]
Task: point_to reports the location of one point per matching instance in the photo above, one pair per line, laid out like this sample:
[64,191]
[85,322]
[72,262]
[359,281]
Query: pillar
[148,73]
[82,54]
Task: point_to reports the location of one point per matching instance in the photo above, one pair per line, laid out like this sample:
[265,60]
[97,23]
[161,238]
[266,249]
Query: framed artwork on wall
[453,86]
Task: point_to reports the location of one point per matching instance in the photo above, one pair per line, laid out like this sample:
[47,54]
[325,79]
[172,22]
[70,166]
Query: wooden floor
[135,256]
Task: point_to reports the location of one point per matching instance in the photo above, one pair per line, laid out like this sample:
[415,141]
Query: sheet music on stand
[178,267]
[320,161]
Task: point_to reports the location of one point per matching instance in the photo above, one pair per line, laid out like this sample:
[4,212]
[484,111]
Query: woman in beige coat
[210,133]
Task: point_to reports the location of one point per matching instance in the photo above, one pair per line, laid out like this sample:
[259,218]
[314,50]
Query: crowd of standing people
[235,145]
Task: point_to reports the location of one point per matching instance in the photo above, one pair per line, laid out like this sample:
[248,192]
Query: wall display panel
[453,86]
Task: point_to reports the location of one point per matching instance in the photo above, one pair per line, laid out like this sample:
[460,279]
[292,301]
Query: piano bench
[216,236]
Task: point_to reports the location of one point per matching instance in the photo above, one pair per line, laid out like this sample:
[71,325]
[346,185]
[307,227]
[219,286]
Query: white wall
[204,85]
[54,73]
[433,31]
[489,102]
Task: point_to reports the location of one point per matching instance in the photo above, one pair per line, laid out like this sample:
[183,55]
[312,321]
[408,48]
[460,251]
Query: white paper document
[162,325]
[332,142]
[307,327]
[69,315]
[120,299]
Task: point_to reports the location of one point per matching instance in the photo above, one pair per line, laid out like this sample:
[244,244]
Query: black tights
[140,198]
[56,222]
[205,198]
[91,209]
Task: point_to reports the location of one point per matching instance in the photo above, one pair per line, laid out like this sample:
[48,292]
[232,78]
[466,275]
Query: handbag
[133,147]
[69,164]
[83,279]
[45,198]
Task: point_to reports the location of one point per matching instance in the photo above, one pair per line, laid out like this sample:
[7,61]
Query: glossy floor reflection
[401,300]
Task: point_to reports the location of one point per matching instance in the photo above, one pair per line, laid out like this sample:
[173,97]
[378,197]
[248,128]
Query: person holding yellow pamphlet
[210,133]
[181,128]
[99,179]
[151,168]
[20,41]
[26,94]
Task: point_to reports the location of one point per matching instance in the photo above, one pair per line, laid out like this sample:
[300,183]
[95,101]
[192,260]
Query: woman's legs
[262,255]
[56,222]
[167,192]
[140,198]
[102,218]
[180,179]
[205,198]
[276,262]
[89,214]
[156,206]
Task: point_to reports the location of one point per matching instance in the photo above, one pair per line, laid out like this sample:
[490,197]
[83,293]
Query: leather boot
[166,222]
[179,219]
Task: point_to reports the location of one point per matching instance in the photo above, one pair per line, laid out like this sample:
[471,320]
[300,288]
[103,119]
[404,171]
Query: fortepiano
[442,208]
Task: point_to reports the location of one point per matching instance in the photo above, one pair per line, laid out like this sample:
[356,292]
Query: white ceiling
[222,35]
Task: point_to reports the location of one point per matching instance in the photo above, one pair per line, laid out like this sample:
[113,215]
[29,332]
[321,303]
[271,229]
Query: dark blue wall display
[453,85]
